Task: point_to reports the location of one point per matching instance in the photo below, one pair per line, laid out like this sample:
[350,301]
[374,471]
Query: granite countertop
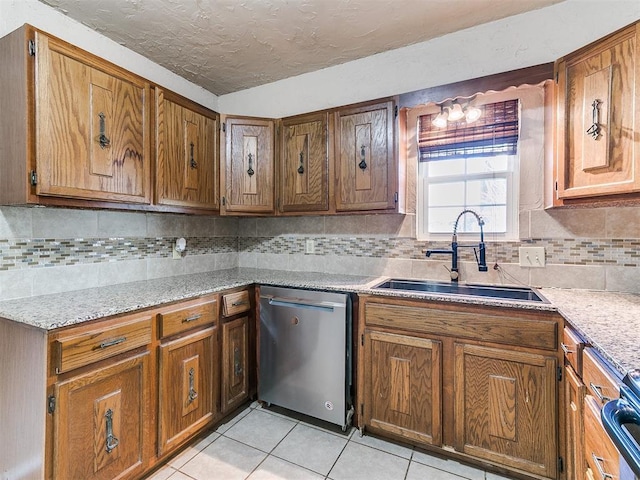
[607,320]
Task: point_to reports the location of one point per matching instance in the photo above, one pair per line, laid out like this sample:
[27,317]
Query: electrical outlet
[532,257]
[310,246]
[176,254]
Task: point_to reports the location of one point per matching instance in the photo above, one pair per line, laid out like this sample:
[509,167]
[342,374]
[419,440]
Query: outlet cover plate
[532,257]
[310,246]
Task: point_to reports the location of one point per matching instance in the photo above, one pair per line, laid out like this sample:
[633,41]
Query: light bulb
[471,114]
[441,120]
[455,112]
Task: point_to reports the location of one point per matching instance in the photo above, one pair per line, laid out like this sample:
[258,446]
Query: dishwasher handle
[302,303]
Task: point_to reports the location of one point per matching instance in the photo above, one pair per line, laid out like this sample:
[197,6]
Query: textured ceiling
[229,45]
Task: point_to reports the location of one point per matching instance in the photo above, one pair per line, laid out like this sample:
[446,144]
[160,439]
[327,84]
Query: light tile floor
[259,444]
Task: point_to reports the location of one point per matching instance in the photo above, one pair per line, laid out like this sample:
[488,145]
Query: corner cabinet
[247,182]
[597,112]
[81,125]
[366,165]
[186,153]
[476,380]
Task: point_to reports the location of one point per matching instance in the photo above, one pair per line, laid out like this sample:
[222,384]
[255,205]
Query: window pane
[490,191]
[488,164]
[441,168]
[494,217]
[441,219]
[446,194]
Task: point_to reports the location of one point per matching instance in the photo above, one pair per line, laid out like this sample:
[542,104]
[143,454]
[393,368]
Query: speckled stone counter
[609,321]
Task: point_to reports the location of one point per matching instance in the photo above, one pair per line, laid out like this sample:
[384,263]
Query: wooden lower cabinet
[235,363]
[188,386]
[403,386]
[100,427]
[574,391]
[502,407]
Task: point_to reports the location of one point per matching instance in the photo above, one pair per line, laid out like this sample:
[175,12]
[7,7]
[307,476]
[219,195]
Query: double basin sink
[484,291]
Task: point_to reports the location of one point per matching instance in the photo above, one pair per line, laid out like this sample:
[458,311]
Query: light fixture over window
[453,111]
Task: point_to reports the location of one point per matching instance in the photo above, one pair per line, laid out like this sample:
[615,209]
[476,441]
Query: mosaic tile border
[35,253]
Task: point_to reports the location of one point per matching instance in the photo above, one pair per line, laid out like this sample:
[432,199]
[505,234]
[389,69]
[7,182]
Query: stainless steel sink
[486,291]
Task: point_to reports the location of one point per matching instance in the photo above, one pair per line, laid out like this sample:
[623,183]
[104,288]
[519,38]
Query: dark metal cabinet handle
[565,349]
[192,390]
[250,170]
[237,364]
[594,130]
[363,162]
[599,461]
[111,441]
[192,162]
[237,304]
[102,138]
[192,318]
[301,167]
[112,342]
[597,390]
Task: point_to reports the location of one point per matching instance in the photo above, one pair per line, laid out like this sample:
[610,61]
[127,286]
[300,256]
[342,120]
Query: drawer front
[572,346]
[234,303]
[188,315]
[601,455]
[525,331]
[82,349]
[600,384]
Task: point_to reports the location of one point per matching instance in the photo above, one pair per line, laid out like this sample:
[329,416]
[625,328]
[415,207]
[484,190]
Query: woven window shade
[494,133]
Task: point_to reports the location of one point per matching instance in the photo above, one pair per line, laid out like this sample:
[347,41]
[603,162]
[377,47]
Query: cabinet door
[598,110]
[92,127]
[304,167]
[248,179]
[403,386]
[187,153]
[100,424]
[574,429]
[365,163]
[187,387]
[505,408]
[235,363]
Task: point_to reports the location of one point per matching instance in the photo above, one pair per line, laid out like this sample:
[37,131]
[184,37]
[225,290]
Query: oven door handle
[616,413]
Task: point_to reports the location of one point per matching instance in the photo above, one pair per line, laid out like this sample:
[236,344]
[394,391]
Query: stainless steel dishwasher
[305,352]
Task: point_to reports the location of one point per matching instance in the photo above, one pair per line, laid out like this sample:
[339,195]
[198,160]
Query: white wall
[524,40]
[15,13]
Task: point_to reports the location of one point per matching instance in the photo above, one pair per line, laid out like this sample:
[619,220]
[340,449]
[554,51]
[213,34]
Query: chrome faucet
[481,260]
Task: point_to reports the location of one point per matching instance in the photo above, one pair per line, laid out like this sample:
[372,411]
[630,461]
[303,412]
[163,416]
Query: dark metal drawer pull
[192,318]
[237,304]
[112,342]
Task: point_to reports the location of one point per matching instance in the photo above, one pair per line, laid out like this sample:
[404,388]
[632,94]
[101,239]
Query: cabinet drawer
[598,381]
[601,455]
[188,315]
[234,303]
[82,349]
[572,346]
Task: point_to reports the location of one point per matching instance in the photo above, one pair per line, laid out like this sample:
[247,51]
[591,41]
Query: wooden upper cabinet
[304,164]
[91,126]
[598,113]
[247,182]
[187,153]
[365,160]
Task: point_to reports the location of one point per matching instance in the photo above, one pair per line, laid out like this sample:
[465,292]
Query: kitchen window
[469,166]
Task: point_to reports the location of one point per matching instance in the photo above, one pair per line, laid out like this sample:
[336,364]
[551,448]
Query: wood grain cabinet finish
[188,386]
[365,171]
[304,166]
[235,363]
[503,407]
[403,386]
[574,392]
[598,113]
[186,153]
[100,426]
[602,457]
[248,180]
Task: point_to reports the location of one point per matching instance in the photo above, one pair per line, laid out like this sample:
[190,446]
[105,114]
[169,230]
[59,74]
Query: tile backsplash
[48,250]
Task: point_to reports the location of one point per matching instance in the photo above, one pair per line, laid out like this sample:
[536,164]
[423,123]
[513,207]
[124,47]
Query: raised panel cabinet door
[100,423]
[574,427]
[403,386]
[249,184]
[598,115]
[188,387]
[506,408]
[92,128]
[235,363]
[304,167]
[365,163]
[187,153]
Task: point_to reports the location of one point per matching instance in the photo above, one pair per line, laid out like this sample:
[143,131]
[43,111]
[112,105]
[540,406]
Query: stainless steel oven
[621,419]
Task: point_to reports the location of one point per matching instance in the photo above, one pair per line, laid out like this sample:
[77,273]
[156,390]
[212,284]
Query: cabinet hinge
[556,186]
[559,373]
[362,409]
[224,127]
[557,75]
[224,200]
[51,404]
[33,178]
[395,197]
[560,465]
[362,340]
[31,45]
[395,111]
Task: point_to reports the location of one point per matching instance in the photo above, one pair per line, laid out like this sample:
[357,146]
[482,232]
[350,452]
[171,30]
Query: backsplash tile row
[27,253]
